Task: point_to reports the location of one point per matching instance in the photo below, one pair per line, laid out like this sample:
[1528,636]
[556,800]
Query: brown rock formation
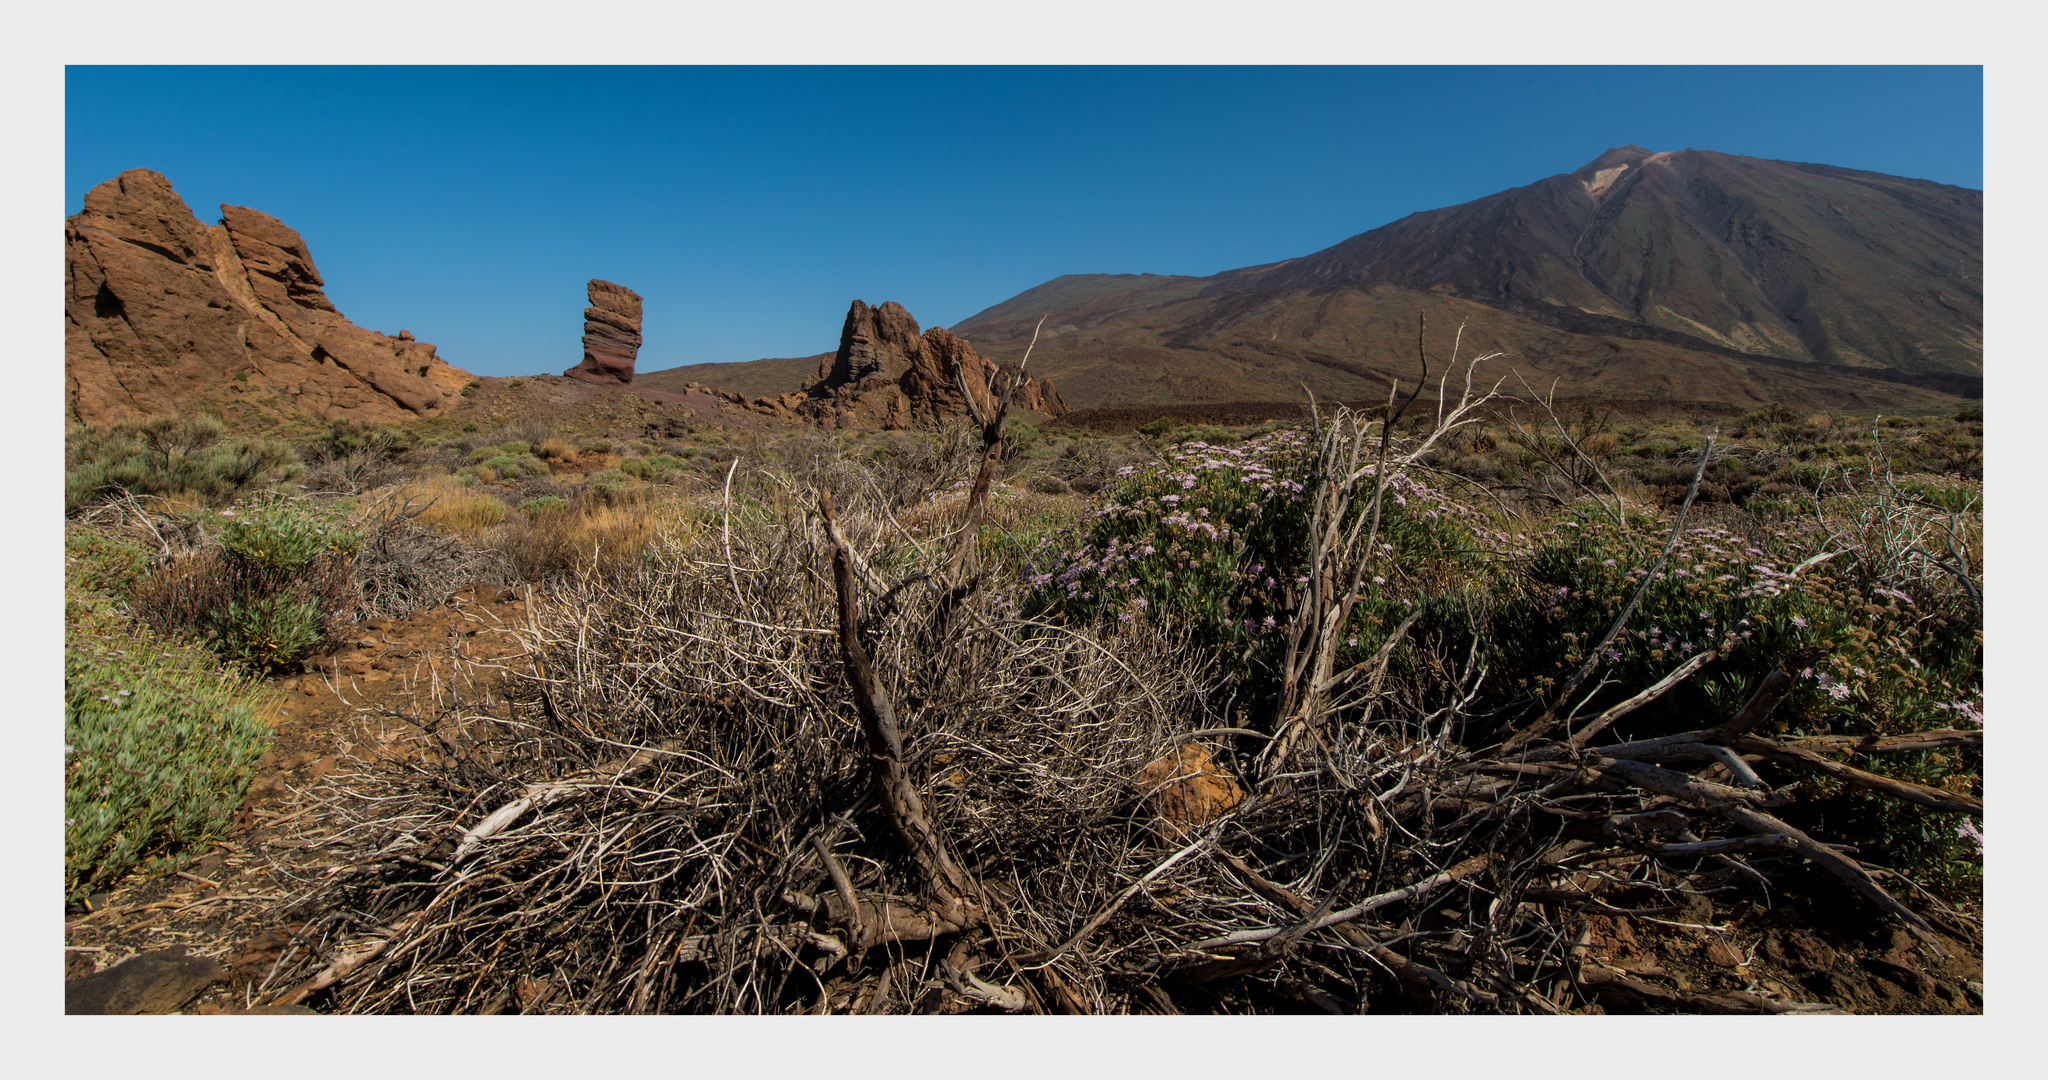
[875,341]
[611,335]
[162,312]
[887,374]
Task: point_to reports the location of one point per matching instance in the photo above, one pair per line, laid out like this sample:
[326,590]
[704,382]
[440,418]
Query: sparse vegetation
[159,739]
[167,455]
[1377,668]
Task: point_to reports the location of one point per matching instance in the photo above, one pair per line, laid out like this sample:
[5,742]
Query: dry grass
[593,539]
[452,505]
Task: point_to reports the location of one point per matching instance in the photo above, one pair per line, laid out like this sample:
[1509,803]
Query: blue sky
[750,205]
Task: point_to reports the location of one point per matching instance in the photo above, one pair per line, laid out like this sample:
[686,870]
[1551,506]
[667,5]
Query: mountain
[163,314]
[1683,274]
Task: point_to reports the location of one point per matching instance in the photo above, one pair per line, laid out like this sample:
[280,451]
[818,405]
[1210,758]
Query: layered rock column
[611,335]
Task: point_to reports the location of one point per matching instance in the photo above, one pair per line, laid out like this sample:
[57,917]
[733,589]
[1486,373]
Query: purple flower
[1270,622]
[1799,621]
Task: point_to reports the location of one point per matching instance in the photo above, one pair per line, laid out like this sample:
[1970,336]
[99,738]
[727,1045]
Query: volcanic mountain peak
[1740,270]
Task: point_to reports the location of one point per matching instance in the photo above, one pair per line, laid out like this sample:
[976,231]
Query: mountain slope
[1685,274]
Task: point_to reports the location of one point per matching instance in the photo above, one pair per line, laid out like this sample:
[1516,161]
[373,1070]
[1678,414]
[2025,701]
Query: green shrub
[267,596]
[102,564]
[159,748]
[274,542]
[544,504]
[1217,537]
[655,468]
[1018,438]
[609,487]
[270,631]
[167,454]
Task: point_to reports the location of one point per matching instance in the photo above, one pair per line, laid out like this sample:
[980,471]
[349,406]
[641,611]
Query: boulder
[154,982]
[1186,790]
[611,335]
[163,314]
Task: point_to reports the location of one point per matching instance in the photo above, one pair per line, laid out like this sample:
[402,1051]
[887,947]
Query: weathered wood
[1921,794]
[958,900]
[1427,885]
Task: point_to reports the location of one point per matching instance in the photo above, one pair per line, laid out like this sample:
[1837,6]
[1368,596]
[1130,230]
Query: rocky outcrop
[611,335]
[888,374]
[163,313]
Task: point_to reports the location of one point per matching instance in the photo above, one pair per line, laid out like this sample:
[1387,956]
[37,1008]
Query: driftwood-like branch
[1355,936]
[1776,685]
[1427,885]
[991,424]
[958,900]
[1745,808]
[1658,689]
[1920,794]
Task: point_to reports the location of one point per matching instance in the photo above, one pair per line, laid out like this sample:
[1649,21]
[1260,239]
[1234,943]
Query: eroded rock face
[611,335]
[163,313]
[887,374]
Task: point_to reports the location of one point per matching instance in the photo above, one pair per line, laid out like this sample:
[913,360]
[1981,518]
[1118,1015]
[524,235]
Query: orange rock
[1186,790]
[160,308]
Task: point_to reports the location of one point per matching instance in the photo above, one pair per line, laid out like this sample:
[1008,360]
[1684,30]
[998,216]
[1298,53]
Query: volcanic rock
[611,335]
[878,341]
[166,315]
[154,982]
[888,374]
[1186,790]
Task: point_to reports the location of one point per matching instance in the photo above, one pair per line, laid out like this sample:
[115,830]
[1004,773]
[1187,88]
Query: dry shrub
[198,593]
[661,813]
[555,449]
[414,554]
[588,462]
[1025,737]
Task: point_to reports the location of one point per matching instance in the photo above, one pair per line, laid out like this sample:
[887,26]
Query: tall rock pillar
[611,335]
